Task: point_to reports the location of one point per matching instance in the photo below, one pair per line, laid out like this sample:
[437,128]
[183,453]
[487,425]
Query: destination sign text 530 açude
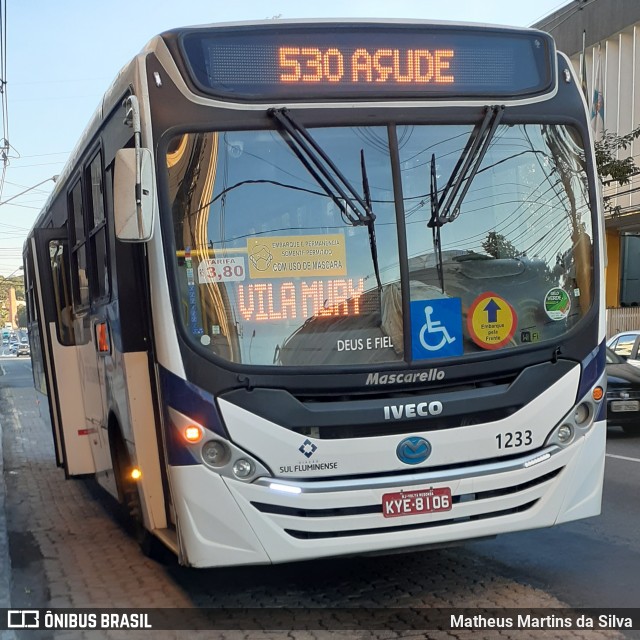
[311,64]
[328,60]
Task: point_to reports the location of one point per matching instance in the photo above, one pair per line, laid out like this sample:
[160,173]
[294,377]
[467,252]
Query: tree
[610,168]
[21,316]
[496,245]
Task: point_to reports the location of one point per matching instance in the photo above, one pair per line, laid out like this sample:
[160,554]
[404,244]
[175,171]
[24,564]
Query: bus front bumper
[225,522]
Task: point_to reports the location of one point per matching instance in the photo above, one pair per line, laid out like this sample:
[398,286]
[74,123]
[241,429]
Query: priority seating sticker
[491,321]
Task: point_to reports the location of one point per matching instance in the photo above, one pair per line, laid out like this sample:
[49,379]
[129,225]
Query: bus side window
[61,282]
[97,231]
[79,248]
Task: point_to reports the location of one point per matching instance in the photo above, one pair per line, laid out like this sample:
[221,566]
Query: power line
[548,13]
[35,186]
[3,69]
[579,7]
[24,186]
[41,155]
[4,145]
[38,164]
[563,16]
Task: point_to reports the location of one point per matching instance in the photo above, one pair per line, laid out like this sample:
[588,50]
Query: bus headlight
[243,468]
[232,462]
[565,433]
[215,453]
[219,455]
[582,413]
[580,419]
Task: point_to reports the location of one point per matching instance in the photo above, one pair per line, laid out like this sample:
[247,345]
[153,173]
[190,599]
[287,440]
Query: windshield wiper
[449,203]
[446,207]
[355,209]
[468,164]
[371,220]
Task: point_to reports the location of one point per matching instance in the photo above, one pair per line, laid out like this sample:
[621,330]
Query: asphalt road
[594,562]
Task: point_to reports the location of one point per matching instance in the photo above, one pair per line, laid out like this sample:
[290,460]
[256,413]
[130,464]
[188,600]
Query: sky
[61,56]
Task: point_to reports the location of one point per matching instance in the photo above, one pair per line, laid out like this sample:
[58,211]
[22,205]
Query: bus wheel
[148,543]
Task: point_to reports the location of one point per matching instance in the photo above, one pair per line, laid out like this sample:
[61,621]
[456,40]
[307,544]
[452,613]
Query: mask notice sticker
[297,256]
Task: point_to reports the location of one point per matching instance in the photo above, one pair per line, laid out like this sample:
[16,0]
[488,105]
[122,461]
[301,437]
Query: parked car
[623,394]
[626,344]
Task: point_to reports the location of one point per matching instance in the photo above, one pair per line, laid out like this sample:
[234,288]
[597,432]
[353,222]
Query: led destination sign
[363,66]
[300,299]
[337,61]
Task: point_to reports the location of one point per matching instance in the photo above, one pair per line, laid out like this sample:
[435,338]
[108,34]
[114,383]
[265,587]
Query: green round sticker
[557,303]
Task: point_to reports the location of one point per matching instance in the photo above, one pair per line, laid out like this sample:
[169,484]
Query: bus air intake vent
[356,519]
[317,535]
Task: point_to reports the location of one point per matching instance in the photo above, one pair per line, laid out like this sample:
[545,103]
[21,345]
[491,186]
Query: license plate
[625,405]
[415,503]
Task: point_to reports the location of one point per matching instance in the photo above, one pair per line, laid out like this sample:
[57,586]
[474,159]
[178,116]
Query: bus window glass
[97,198]
[270,271]
[32,309]
[77,212]
[99,253]
[516,263]
[98,233]
[61,291]
[82,282]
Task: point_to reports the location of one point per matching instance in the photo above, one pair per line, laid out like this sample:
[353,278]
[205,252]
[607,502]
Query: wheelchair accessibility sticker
[436,328]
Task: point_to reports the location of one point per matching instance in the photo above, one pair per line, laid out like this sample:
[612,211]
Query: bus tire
[130,493]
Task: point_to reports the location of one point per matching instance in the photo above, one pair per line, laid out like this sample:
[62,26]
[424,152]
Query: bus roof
[127,73]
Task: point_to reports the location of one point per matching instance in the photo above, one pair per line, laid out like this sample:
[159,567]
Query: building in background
[602,40]
[12,307]
[11,303]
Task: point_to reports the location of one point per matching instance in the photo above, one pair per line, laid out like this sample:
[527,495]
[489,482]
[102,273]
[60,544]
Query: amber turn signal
[193,433]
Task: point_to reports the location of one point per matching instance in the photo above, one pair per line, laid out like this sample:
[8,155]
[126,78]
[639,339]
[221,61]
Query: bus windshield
[270,270]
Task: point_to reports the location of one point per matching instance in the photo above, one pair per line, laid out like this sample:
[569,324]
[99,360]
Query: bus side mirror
[133,197]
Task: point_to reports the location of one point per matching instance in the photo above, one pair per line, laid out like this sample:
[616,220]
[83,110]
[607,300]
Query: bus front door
[59,351]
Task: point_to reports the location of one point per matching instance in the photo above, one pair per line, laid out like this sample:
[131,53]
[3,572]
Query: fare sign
[414,503]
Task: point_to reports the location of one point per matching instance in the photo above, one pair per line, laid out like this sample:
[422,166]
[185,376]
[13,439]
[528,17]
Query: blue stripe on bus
[593,366]
[190,401]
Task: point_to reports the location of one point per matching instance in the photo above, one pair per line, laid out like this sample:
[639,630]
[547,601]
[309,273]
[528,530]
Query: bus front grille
[503,499]
[318,535]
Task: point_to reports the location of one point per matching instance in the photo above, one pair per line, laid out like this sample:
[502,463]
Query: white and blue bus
[316,288]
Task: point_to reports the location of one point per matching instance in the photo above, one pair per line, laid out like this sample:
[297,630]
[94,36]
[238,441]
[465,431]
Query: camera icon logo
[23,619]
